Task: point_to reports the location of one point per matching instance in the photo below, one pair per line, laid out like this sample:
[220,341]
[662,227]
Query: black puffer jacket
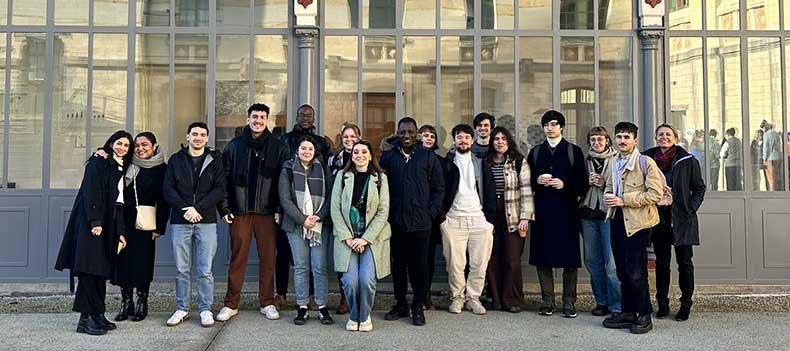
[181,190]
[688,192]
[291,140]
[416,188]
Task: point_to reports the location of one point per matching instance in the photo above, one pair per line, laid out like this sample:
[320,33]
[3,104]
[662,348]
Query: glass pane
[69,110]
[233,13]
[577,85]
[153,13]
[723,15]
[152,88]
[271,13]
[457,88]
[3,22]
[419,79]
[271,77]
[378,13]
[762,14]
[340,82]
[232,86]
[724,114]
[2,103]
[615,79]
[190,75]
[498,79]
[765,104]
[30,12]
[497,14]
[685,14]
[534,14]
[26,105]
[419,14]
[535,88]
[378,88]
[457,14]
[69,12]
[191,13]
[345,14]
[109,86]
[110,12]
[615,14]
[576,14]
[686,96]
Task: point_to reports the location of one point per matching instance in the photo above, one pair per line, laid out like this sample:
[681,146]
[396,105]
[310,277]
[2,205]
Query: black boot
[141,309]
[127,305]
[88,325]
[663,308]
[103,322]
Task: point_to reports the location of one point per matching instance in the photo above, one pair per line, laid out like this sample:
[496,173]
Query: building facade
[74,71]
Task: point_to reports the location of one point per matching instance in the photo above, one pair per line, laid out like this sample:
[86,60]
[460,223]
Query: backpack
[537,151]
[666,196]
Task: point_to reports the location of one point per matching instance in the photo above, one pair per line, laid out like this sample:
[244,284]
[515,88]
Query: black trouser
[630,257]
[90,295]
[505,282]
[733,176]
[436,240]
[662,245]
[546,279]
[282,265]
[410,263]
[714,175]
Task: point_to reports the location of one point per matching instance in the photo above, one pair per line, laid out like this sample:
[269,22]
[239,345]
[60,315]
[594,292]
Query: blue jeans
[307,259]
[204,236]
[600,263]
[359,283]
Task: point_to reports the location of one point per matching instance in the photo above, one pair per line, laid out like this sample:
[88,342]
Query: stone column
[650,39]
[306,38]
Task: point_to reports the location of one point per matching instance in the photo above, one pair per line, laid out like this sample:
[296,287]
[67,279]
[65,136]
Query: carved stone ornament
[652,3]
[306,3]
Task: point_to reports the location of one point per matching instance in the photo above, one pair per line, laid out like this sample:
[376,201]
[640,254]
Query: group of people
[367,218]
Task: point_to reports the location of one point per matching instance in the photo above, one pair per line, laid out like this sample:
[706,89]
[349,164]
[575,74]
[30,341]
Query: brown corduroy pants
[241,233]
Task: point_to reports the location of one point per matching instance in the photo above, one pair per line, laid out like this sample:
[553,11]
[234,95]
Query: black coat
[688,192]
[291,140]
[181,190]
[554,236]
[486,186]
[136,261]
[80,250]
[416,188]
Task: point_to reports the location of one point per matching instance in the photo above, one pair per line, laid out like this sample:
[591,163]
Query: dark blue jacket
[416,188]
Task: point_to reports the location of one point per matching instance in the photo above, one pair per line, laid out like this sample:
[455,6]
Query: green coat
[378,230]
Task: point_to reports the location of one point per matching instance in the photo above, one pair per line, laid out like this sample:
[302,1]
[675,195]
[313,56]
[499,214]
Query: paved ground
[496,331]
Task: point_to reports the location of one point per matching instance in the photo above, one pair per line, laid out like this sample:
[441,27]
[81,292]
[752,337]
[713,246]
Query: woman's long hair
[373,166]
[127,159]
[316,153]
[512,152]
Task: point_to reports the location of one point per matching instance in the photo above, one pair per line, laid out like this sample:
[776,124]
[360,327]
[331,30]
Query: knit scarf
[594,198]
[664,159]
[315,179]
[137,163]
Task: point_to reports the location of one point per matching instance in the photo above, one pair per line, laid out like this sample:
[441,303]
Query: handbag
[146,215]
[353,213]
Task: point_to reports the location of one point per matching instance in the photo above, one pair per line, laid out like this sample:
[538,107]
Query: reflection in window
[29,12]
[762,14]
[615,14]
[686,95]
[457,14]
[271,77]
[457,88]
[534,14]
[26,105]
[233,13]
[345,13]
[724,114]
[535,88]
[576,14]
[378,88]
[722,15]
[232,86]
[3,22]
[68,12]
[577,85]
[378,13]
[110,12]
[109,87]
[765,106]
[685,14]
[153,13]
[152,88]
[497,14]
[189,77]
[271,13]
[2,104]
[192,13]
[419,14]
[615,72]
[497,78]
[419,78]
[340,83]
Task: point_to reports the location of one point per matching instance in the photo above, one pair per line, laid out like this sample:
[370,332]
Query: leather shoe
[642,325]
[103,322]
[397,312]
[514,309]
[88,325]
[683,313]
[619,321]
[663,309]
[600,310]
[417,317]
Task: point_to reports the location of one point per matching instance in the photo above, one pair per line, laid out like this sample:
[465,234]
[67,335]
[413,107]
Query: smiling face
[598,143]
[197,138]
[120,147]
[501,143]
[348,138]
[665,137]
[625,142]
[305,117]
[143,148]
[306,152]
[407,135]
[257,121]
[552,129]
[484,128]
[428,139]
[463,142]
[361,156]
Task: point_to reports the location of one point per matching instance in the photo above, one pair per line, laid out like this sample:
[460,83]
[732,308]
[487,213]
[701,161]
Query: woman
[349,135]
[598,256]
[428,142]
[514,209]
[303,189]
[758,164]
[94,234]
[360,208]
[143,179]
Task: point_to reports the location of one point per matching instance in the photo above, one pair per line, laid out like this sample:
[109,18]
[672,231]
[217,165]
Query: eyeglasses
[597,139]
[552,124]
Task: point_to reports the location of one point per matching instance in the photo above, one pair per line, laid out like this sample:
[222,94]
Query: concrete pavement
[496,331]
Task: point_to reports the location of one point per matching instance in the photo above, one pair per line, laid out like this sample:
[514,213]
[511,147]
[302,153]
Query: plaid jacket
[518,194]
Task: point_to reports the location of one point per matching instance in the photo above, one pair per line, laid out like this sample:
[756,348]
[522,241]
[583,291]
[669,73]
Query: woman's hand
[154,235]
[123,241]
[96,231]
[523,226]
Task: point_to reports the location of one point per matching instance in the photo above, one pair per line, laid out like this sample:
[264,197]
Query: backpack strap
[570,154]
[537,148]
[535,153]
[643,165]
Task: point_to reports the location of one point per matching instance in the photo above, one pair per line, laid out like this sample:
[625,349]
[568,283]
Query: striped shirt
[498,169]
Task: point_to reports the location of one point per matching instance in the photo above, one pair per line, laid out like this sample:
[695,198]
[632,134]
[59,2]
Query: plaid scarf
[315,179]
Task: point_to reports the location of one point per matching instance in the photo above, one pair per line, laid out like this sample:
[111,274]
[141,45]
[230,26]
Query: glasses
[552,124]
[597,139]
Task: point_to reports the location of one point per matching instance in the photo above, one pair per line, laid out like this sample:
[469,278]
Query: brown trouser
[505,284]
[241,231]
[773,170]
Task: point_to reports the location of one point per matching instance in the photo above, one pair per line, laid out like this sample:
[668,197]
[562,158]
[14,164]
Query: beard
[463,149]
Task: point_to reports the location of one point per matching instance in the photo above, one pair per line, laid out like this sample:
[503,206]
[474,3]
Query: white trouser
[459,236]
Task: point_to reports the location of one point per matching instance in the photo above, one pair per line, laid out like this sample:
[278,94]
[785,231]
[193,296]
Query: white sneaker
[177,317]
[352,325]
[226,313]
[456,305]
[270,312]
[475,306]
[366,326]
[206,319]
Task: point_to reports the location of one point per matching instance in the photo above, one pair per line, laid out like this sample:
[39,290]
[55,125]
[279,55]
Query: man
[558,178]
[483,123]
[470,206]
[305,127]
[731,154]
[633,188]
[678,225]
[714,150]
[772,154]
[428,139]
[417,188]
[194,187]
[252,167]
